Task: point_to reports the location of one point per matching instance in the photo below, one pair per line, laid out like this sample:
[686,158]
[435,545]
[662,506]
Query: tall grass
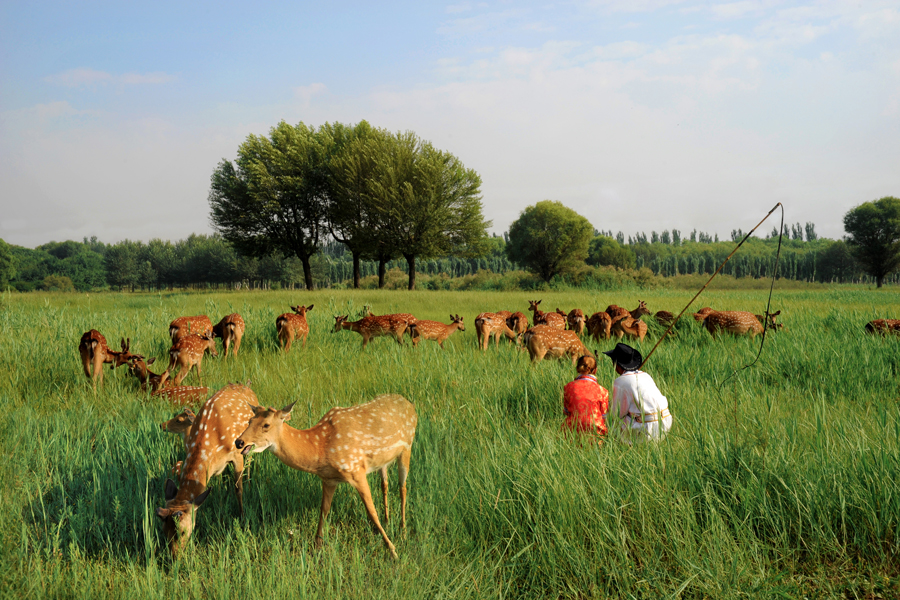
[779,480]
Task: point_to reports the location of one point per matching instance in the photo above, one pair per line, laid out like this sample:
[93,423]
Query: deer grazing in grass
[494,325]
[231,330]
[598,326]
[210,447]
[733,321]
[371,327]
[95,353]
[883,326]
[160,385]
[345,445]
[435,330]
[291,326]
[184,326]
[630,327]
[544,340]
[575,320]
[539,317]
[188,352]
[518,324]
[664,317]
[140,369]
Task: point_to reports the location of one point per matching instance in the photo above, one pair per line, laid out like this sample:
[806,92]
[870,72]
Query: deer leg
[328,488]
[237,344]
[384,494]
[403,469]
[238,464]
[98,369]
[358,480]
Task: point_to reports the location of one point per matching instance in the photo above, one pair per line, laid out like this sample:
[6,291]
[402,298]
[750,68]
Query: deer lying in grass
[184,326]
[664,317]
[291,326]
[435,330]
[494,325]
[733,321]
[231,330]
[371,327]
[210,447]
[598,326]
[161,387]
[883,326]
[541,318]
[188,352]
[345,445]
[544,340]
[95,353]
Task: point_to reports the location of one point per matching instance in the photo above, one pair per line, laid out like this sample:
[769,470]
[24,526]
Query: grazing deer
[371,327]
[617,312]
[345,445]
[628,326]
[883,326]
[95,353]
[291,326]
[664,317]
[188,352]
[518,324]
[492,324]
[733,321]
[210,447]
[435,330]
[184,326]
[772,324]
[180,424]
[139,368]
[541,318]
[544,340]
[231,330]
[575,320]
[598,326]
[702,313]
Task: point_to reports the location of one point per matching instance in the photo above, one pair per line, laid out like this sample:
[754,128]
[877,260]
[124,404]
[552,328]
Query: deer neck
[302,449]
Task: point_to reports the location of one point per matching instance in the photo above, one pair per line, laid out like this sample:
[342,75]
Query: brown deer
[664,317]
[518,324]
[617,312]
[182,395]
[544,340]
[210,447]
[575,320]
[183,326]
[180,425]
[435,330]
[139,368]
[883,326]
[733,321]
[489,325]
[291,326]
[629,326]
[598,326]
[231,330]
[188,352]
[95,353]
[772,324]
[371,327]
[542,318]
[345,445]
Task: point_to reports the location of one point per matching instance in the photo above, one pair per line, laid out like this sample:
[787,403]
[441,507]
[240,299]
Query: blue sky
[641,115]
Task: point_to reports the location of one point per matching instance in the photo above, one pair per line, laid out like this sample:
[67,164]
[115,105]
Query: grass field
[782,481]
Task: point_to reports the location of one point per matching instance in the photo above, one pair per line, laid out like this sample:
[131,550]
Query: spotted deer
[345,445]
[883,326]
[617,312]
[291,326]
[180,425]
[575,320]
[95,353]
[772,324]
[210,448]
[371,327]
[140,369]
[544,340]
[598,326]
[733,321]
[630,327]
[182,395]
[494,325]
[435,330]
[540,317]
[184,326]
[231,330]
[188,352]
[518,324]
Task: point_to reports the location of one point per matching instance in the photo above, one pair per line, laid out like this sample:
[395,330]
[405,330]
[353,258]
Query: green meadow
[782,480]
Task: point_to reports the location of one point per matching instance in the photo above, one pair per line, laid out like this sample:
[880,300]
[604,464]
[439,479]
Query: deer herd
[347,443]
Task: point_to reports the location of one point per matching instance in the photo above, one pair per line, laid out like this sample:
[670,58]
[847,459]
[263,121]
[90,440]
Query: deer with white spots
[210,448]
[735,322]
[553,319]
[435,330]
[291,326]
[494,325]
[883,326]
[188,352]
[95,353]
[184,326]
[231,330]
[518,324]
[598,326]
[180,425]
[345,445]
[371,327]
[630,327]
[543,341]
[140,369]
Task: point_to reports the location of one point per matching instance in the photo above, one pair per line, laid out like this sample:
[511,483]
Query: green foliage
[549,239]
[873,230]
[604,251]
[7,265]
[57,283]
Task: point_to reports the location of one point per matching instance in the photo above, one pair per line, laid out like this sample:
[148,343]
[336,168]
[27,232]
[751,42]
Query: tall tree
[549,239]
[873,233]
[7,265]
[275,199]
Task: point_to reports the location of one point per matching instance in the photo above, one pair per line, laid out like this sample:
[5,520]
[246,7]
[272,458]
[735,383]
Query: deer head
[263,429]
[339,323]
[178,519]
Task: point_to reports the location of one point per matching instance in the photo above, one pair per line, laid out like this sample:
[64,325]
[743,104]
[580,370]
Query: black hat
[625,356]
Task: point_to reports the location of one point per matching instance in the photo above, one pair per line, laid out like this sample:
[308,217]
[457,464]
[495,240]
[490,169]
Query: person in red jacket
[585,401]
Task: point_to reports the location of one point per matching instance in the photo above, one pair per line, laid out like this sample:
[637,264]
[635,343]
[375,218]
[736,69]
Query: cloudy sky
[639,114]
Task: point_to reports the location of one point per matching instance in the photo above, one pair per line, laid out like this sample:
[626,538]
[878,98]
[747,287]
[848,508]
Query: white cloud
[305,93]
[82,77]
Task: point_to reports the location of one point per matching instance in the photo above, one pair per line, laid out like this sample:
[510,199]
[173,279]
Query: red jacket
[586,403]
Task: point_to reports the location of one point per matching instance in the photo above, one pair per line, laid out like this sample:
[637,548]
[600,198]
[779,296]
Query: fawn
[188,352]
[231,330]
[291,326]
[95,352]
[184,326]
[435,330]
[370,327]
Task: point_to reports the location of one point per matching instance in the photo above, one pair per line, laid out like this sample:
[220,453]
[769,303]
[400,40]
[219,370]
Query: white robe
[641,406]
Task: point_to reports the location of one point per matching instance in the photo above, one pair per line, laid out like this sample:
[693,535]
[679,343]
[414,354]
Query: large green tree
[606,251]
[274,197]
[873,233]
[7,265]
[549,239]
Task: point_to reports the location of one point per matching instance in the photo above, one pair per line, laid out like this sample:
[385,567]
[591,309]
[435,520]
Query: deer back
[182,395]
[630,327]
[544,340]
[599,326]
[184,326]
[229,325]
[575,320]
[617,312]
[733,321]
[883,326]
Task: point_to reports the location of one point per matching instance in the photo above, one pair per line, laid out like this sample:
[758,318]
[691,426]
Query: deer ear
[286,411]
[151,361]
[171,490]
[163,513]
[199,499]
[190,414]
[310,307]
